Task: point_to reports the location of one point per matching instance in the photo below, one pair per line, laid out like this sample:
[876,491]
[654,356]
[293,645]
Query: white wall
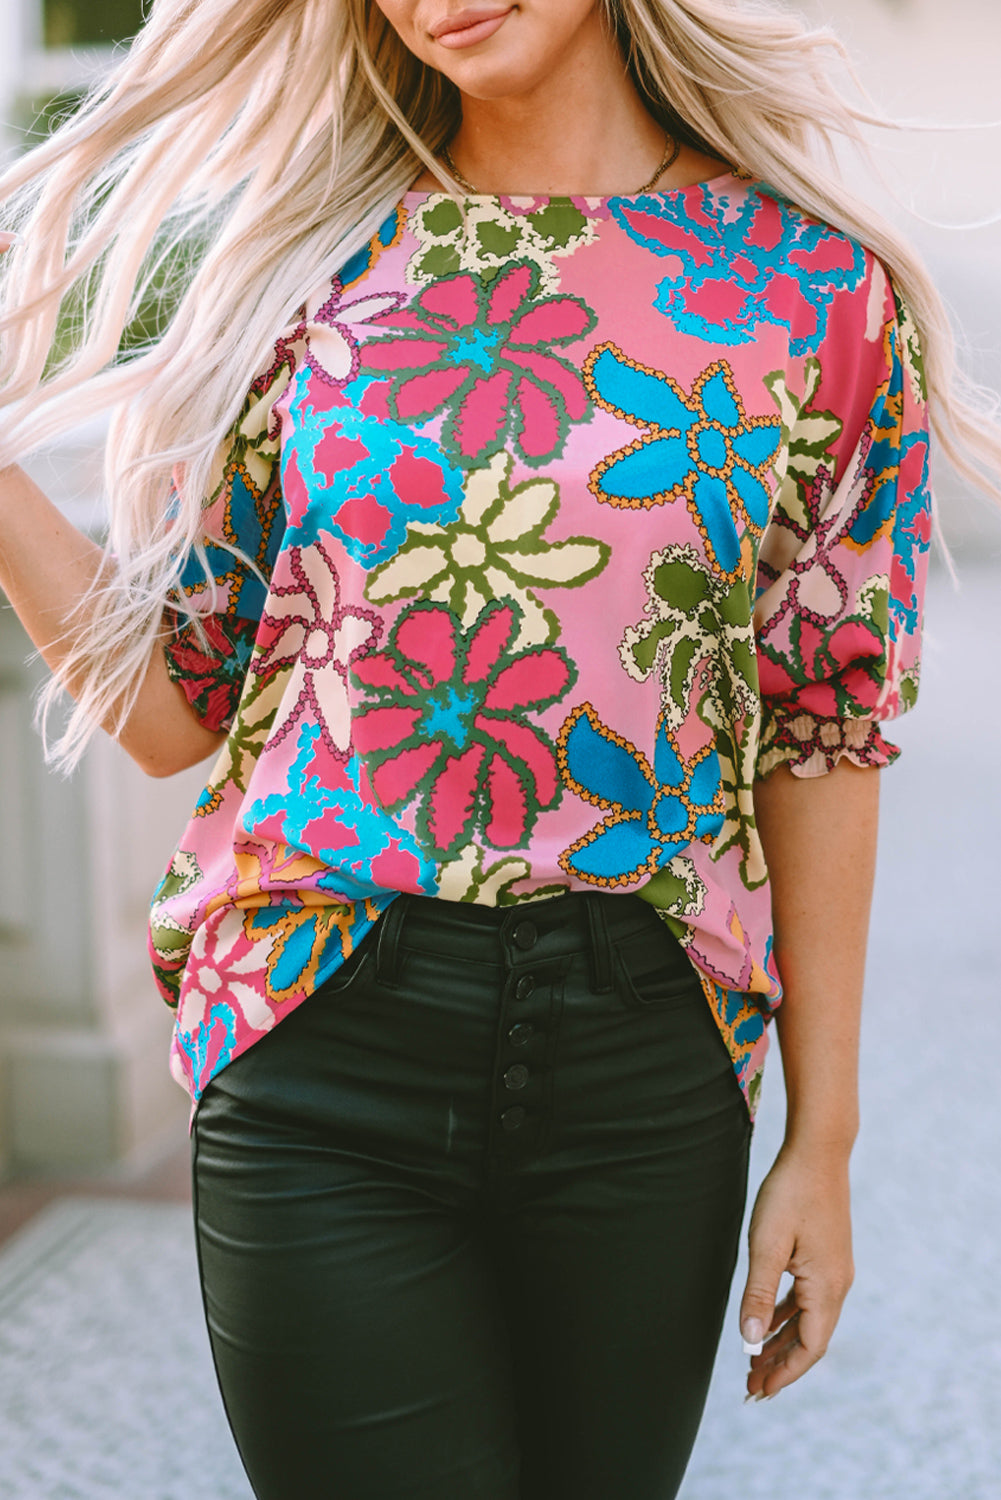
[940,63]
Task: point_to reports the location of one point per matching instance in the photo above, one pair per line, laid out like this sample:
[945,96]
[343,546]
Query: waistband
[588,922]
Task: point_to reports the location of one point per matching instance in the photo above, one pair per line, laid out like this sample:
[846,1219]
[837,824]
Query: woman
[543,600]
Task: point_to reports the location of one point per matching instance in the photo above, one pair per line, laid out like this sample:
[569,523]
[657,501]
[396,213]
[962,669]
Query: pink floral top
[572,521]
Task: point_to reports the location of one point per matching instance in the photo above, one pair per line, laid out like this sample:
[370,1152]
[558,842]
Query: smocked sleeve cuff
[811,746]
[211,677]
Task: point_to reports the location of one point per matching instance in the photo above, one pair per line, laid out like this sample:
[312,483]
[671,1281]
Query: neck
[552,139]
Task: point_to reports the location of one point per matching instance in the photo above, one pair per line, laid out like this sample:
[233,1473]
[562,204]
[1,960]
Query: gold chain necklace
[670,156]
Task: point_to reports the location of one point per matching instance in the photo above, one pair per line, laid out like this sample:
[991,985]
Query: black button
[526,935]
[513,1117]
[524,987]
[520,1033]
[516,1076]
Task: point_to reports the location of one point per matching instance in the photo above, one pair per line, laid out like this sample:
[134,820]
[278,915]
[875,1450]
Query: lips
[473,24]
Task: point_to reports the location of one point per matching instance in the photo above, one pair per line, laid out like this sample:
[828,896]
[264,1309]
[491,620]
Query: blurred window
[88,23]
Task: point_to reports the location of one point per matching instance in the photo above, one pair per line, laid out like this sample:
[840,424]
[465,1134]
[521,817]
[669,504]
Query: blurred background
[99,1310]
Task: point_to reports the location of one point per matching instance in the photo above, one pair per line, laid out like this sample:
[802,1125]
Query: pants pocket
[651,969]
[349,974]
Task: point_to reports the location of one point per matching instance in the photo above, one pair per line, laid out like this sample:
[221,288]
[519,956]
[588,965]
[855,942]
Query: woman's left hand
[801,1223]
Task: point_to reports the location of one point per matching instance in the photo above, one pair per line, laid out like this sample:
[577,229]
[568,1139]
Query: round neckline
[597,198]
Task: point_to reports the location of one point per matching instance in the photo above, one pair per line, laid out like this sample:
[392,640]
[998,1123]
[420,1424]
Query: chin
[490,81]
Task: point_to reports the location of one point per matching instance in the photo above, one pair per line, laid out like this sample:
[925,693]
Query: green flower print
[911,353]
[495,550]
[697,626]
[169,941]
[738,763]
[492,236]
[676,890]
[167,935]
[698,630]
[808,435]
[259,703]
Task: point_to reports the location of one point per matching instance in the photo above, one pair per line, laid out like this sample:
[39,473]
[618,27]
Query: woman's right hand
[7,238]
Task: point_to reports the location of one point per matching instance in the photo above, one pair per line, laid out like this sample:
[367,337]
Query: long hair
[236,153]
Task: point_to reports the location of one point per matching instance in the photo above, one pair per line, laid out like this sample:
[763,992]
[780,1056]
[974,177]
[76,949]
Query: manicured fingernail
[752,1348]
[758,1396]
[754,1332]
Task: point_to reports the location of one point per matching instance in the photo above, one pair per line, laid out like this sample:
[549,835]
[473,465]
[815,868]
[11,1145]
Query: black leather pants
[468,1217]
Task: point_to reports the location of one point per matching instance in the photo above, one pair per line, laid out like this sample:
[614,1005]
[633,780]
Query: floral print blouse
[572,519]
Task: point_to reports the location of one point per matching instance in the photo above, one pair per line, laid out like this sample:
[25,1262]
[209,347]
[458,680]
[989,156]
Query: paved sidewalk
[106,1388]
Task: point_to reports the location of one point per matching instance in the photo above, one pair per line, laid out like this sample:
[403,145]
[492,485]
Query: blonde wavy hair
[242,150]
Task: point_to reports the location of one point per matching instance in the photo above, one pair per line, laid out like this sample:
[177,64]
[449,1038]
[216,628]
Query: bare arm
[819,837]
[46,566]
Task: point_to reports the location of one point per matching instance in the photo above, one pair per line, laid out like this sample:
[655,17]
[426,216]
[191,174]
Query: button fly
[520,1033]
[526,935]
[513,1117]
[524,987]
[516,1076]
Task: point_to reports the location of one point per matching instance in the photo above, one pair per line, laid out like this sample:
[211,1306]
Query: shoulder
[830,285]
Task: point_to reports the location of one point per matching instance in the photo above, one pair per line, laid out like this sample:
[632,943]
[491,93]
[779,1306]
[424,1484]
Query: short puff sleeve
[842,565]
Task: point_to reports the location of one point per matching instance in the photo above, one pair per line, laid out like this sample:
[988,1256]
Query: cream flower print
[332,348]
[167,935]
[808,435]
[224,972]
[495,550]
[252,446]
[465,879]
[697,635]
[306,631]
[493,235]
[738,762]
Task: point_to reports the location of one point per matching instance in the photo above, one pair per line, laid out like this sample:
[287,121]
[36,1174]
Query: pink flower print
[836,673]
[223,999]
[446,724]
[330,318]
[224,965]
[483,352]
[306,631]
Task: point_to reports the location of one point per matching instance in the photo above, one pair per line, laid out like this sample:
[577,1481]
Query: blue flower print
[894,478]
[253,522]
[742,1018]
[349,469]
[327,812]
[210,1047]
[911,535]
[701,447]
[746,255]
[653,813]
[389,233]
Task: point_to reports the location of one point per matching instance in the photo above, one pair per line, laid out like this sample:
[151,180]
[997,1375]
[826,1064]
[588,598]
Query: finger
[8,238]
[785,1371]
[757,1306]
[816,1325]
[776,1351]
[787,1308]
[789,1361]
[778,1346]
